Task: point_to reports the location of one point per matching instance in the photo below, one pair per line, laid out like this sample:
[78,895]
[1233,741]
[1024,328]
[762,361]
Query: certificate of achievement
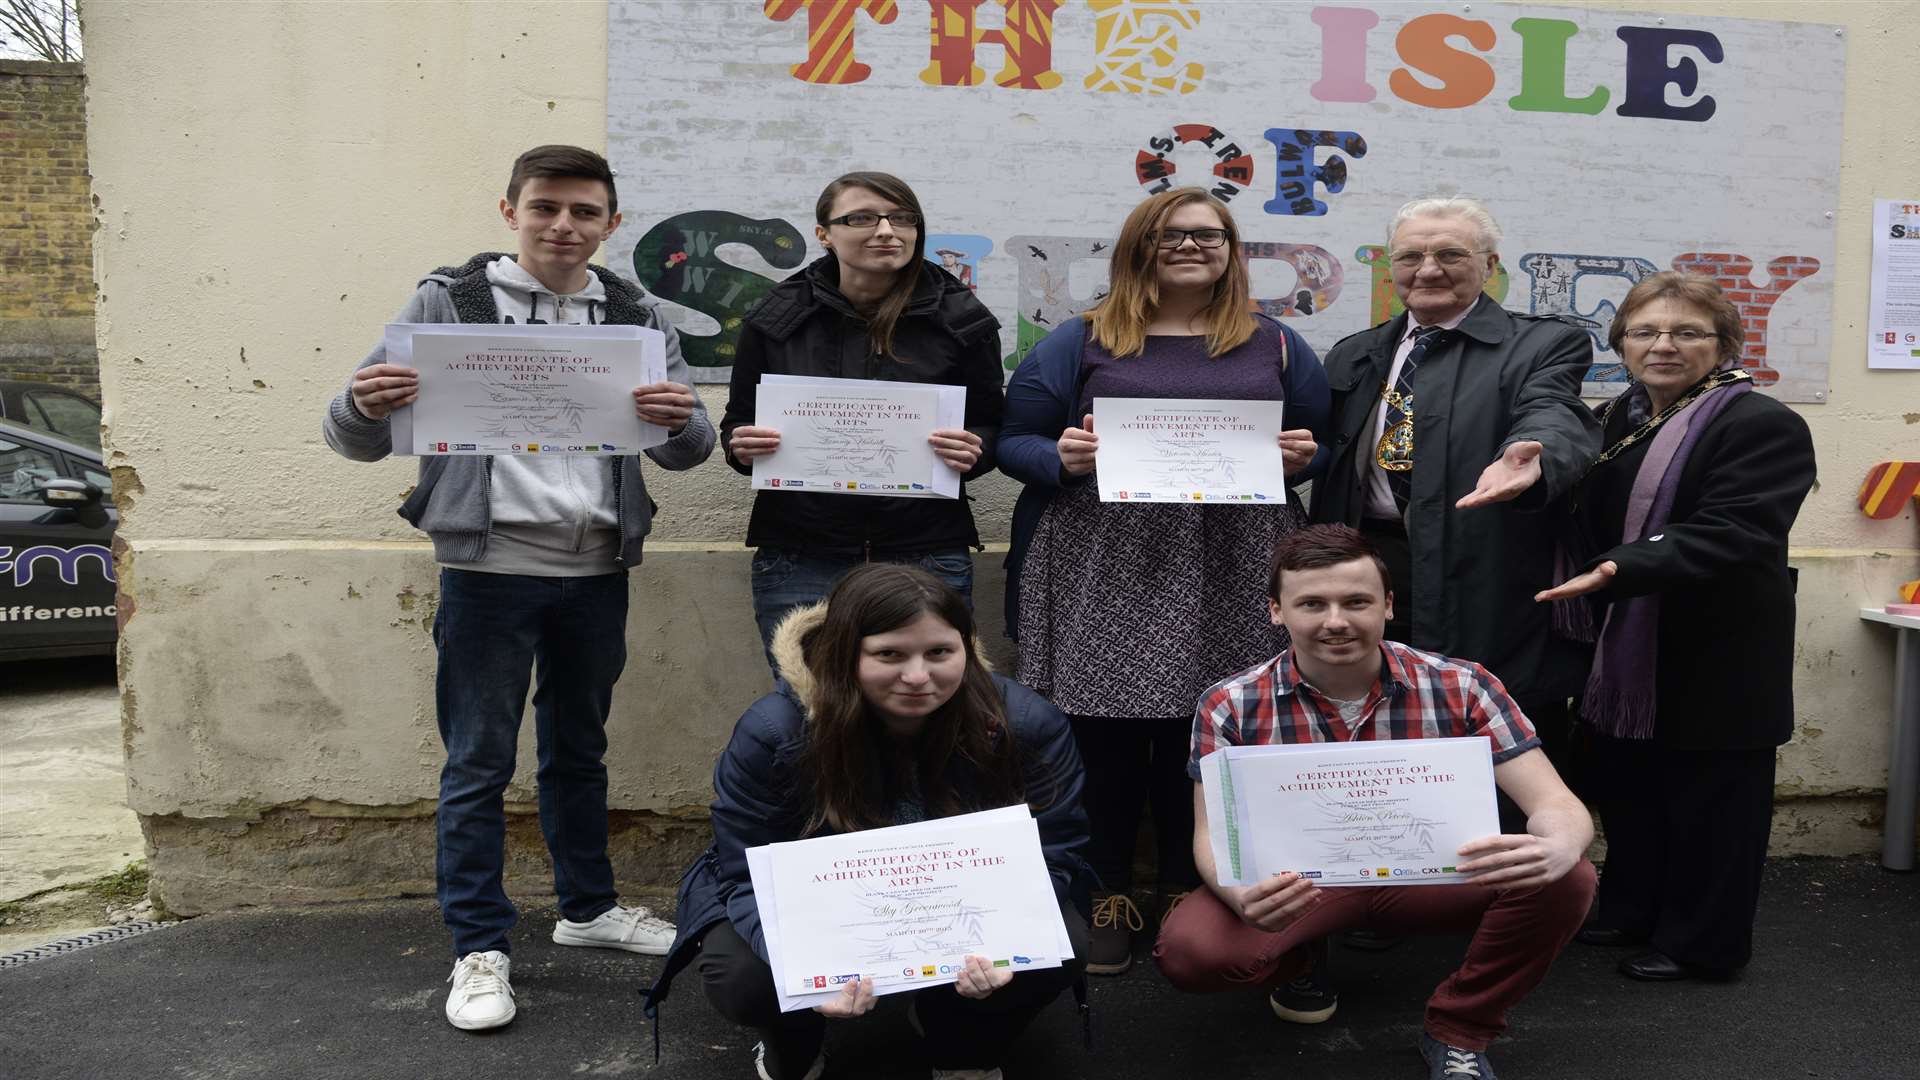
[1157,450]
[526,389]
[902,907]
[857,436]
[1389,812]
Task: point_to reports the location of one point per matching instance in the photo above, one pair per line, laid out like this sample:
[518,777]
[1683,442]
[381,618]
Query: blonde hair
[1119,322]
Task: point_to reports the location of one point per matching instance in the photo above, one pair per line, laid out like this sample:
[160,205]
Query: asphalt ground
[355,991]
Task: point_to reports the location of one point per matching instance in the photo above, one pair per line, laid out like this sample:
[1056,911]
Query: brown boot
[1110,937]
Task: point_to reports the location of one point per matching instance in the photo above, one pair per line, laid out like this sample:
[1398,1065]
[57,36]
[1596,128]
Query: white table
[1903,764]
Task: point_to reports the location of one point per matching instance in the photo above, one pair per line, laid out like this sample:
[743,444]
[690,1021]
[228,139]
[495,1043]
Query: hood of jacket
[472,293]
[938,295]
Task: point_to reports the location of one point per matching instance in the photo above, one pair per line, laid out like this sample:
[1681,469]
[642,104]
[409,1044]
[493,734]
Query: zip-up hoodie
[555,516]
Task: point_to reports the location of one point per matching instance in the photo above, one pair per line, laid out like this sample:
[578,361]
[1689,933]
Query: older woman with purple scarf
[1687,511]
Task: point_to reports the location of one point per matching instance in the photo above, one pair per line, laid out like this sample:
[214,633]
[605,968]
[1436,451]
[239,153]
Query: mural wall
[1609,145]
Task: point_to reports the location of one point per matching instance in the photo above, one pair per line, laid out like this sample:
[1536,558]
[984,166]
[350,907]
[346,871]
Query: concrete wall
[272,179]
[46,227]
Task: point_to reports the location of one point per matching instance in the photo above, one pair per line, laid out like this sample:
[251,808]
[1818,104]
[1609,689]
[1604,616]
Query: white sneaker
[634,929]
[760,1063]
[967,1074]
[481,997]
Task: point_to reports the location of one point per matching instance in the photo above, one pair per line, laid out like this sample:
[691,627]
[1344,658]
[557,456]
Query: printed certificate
[1390,812]
[526,389]
[1893,286]
[857,436]
[1156,450]
[904,906]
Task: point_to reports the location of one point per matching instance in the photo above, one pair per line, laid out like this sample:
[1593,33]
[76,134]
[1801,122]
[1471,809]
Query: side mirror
[66,494]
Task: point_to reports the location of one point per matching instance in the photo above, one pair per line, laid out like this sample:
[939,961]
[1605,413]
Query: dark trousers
[961,1033]
[784,580]
[1204,946]
[494,632]
[1686,842]
[1133,762]
[1552,716]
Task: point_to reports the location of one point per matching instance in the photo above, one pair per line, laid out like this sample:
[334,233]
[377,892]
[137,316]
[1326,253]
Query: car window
[65,414]
[21,468]
[93,476]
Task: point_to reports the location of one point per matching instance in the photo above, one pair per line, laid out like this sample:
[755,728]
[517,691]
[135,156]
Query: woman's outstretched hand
[1592,581]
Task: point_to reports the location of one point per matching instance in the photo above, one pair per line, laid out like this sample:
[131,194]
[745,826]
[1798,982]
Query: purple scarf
[1619,700]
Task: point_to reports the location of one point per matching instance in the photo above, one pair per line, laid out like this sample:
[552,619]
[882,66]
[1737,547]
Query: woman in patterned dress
[1127,612]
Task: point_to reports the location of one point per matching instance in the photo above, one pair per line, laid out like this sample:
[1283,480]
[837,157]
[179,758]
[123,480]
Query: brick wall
[46,227]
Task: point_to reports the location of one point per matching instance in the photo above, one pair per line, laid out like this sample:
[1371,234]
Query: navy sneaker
[1311,998]
[1452,1063]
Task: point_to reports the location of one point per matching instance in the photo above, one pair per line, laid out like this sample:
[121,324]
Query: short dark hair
[1693,290]
[1323,545]
[560,160]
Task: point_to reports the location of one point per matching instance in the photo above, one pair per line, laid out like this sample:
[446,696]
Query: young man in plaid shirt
[1339,681]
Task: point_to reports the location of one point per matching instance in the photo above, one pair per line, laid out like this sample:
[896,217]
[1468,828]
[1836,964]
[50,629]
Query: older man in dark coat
[1457,430]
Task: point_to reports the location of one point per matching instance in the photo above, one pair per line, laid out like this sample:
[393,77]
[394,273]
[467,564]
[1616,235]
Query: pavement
[355,991]
[64,797]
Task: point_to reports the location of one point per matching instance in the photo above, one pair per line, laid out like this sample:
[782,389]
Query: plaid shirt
[1419,695]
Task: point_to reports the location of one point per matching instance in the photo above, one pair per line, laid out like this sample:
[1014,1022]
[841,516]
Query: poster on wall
[1893,322]
[1608,144]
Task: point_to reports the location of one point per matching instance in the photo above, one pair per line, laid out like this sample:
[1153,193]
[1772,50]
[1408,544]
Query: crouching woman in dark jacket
[871,308]
[885,715]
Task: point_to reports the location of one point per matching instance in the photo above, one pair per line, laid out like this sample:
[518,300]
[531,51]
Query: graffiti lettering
[1137,49]
[679,260]
[1027,41]
[1232,169]
[830,36]
[1297,173]
[1735,275]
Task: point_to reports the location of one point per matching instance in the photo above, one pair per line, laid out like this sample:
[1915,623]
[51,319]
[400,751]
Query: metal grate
[84,941]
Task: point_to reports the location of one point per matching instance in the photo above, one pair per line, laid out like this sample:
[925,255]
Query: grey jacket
[1506,378]
[451,501]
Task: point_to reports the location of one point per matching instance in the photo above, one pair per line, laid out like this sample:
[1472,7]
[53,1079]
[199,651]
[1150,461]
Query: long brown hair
[964,758]
[894,190]
[1120,321]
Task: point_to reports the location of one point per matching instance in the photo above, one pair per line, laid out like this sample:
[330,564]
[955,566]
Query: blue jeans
[493,631]
[784,580]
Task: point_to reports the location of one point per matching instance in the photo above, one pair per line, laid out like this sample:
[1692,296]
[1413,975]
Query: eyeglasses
[1448,258]
[1686,335]
[867,219]
[1206,238]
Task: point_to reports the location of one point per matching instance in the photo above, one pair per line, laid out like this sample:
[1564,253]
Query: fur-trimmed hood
[788,663]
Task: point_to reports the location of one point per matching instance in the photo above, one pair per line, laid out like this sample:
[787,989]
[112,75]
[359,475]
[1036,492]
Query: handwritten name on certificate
[526,389]
[857,436]
[1160,450]
[1386,812]
[903,907]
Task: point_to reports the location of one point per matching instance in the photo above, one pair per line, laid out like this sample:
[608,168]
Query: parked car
[56,547]
[71,415]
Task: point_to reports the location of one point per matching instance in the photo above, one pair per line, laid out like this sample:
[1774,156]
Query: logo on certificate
[908,972]
[1382,872]
[927,971]
[1018,959]
[1001,963]
[1310,874]
[608,446]
[533,448]
[1889,337]
[775,482]
[1364,872]
[796,483]
[465,446]
[441,447]
[516,448]
[819,982]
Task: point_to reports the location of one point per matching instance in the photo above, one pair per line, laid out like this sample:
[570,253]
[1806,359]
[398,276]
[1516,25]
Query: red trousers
[1517,933]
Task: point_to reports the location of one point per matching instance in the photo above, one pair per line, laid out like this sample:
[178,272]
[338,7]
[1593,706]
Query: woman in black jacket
[885,715]
[871,308]
[1689,507]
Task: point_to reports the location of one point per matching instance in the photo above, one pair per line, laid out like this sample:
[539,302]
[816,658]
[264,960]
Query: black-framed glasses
[1448,258]
[1686,335]
[1206,238]
[868,219]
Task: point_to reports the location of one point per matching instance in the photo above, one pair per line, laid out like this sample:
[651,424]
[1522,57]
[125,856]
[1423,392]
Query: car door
[56,564]
[63,412]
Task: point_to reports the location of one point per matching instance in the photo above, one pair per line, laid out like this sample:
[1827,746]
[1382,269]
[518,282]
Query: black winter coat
[805,326]
[1505,378]
[1724,669]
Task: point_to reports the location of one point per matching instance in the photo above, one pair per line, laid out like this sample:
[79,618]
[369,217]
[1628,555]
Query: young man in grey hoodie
[533,555]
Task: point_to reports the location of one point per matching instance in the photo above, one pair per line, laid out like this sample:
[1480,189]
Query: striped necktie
[1395,452]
